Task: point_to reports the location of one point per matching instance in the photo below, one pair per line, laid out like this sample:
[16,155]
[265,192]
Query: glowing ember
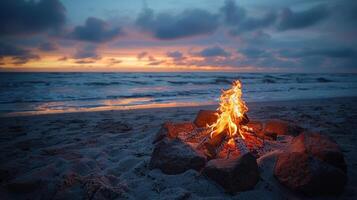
[232,111]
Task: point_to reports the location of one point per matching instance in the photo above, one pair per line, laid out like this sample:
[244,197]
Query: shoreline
[153,107]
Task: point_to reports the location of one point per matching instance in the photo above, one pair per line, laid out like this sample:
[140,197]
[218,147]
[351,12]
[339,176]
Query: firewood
[213,144]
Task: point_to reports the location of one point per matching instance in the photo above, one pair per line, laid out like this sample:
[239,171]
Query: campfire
[230,131]
[224,145]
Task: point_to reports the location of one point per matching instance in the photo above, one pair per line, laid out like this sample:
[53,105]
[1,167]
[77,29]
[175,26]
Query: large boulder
[173,156]
[321,147]
[313,164]
[205,117]
[234,175]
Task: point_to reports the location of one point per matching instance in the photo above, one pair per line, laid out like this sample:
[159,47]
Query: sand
[105,154]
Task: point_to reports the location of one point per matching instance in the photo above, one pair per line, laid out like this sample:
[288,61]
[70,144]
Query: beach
[71,155]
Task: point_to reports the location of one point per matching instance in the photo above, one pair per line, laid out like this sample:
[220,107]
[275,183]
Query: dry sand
[85,155]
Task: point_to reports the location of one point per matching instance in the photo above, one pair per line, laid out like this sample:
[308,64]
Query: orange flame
[231,113]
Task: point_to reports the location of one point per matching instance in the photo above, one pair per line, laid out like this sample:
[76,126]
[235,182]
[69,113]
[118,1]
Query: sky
[188,35]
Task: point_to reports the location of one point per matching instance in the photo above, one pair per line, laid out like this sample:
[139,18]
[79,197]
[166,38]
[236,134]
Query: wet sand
[105,154]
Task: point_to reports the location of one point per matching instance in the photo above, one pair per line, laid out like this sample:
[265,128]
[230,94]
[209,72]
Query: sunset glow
[157,36]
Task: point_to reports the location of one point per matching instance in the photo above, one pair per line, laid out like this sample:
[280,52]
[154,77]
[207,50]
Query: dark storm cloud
[47,46]
[168,26]
[88,51]
[214,52]
[297,20]
[18,55]
[95,30]
[26,17]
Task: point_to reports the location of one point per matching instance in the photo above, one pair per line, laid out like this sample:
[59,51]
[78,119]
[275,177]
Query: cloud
[157,62]
[47,46]
[87,52]
[214,52]
[166,26]
[236,17]
[345,12]
[255,37]
[84,61]
[18,55]
[331,53]
[95,30]
[250,24]
[232,14]
[175,54]
[151,58]
[114,61]
[141,55]
[255,53]
[28,17]
[298,20]
[64,58]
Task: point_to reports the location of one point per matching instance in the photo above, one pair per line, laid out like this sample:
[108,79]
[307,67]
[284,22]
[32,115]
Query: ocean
[36,93]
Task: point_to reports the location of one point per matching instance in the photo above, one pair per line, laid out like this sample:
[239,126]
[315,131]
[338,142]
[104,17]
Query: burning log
[213,145]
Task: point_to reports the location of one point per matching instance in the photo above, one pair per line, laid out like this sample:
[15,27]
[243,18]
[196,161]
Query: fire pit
[224,145]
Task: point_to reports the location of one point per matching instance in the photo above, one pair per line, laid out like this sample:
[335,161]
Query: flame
[231,113]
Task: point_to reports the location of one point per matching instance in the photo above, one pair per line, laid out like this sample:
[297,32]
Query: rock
[321,147]
[172,130]
[258,128]
[205,117]
[304,173]
[313,164]
[278,127]
[234,175]
[174,157]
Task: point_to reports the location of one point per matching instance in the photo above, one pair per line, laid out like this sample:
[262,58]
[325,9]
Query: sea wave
[23,91]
